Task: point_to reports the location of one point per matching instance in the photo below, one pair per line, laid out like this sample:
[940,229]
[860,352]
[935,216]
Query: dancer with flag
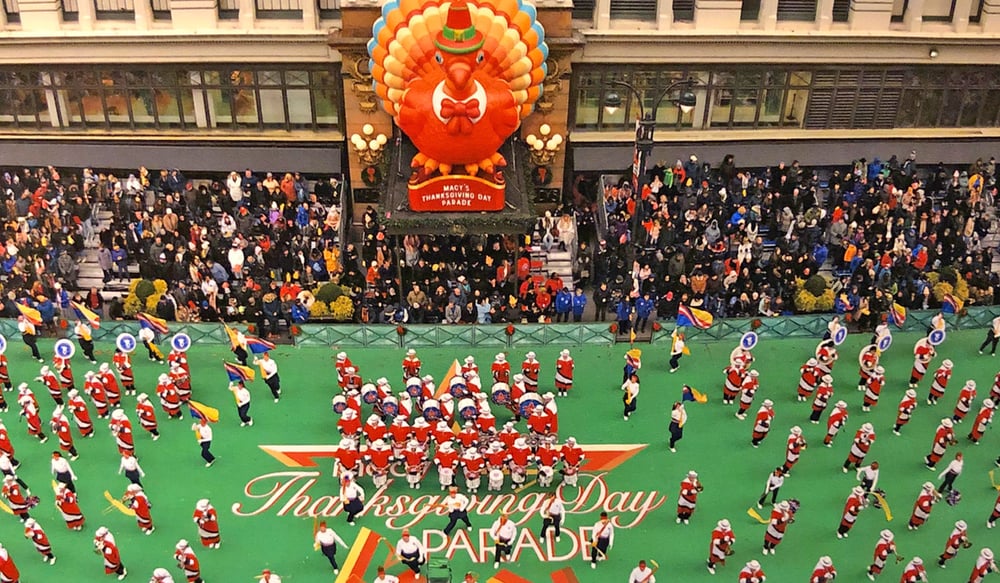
[677,349]
[238,344]
[269,370]
[26,324]
[202,430]
[149,327]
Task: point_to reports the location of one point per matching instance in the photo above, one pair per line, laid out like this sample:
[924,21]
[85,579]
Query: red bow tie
[459,114]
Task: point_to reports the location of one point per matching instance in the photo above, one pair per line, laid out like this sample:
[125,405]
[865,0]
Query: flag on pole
[31,314]
[631,336]
[693,317]
[238,372]
[201,411]
[234,337]
[85,314]
[949,304]
[152,322]
[898,315]
[259,346]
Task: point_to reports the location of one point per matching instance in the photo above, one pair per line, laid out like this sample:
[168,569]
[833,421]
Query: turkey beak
[459,75]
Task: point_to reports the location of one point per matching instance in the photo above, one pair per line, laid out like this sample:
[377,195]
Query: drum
[414,387]
[432,410]
[390,406]
[369,394]
[528,403]
[339,404]
[501,394]
[467,409]
[457,387]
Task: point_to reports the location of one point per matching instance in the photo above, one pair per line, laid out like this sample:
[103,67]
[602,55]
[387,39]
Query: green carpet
[716,445]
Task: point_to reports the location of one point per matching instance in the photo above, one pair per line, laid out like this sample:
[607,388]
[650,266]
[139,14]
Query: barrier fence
[508,336]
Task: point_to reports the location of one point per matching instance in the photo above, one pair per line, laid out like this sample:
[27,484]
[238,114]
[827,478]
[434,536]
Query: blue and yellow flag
[85,314]
[201,411]
[687,316]
[31,314]
[152,322]
[238,372]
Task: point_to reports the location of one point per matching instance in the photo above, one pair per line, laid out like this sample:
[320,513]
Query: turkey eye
[439,58]
[480,57]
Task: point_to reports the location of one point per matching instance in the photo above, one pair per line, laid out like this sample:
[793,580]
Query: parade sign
[450,194]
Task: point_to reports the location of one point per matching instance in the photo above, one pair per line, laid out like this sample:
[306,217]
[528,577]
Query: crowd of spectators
[251,246]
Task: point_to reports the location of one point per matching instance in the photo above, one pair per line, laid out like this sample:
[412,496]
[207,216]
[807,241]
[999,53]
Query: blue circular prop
[840,335]
[125,342]
[180,342]
[749,340]
[64,348]
[885,342]
[936,337]
[3,344]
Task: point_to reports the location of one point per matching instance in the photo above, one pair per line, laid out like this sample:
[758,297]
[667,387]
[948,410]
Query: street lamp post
[644,127]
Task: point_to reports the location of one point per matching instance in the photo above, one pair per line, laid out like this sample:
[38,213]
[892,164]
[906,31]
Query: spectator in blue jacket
[120,257]
[564,304]
[300,314]
[47,310]
[643,309]
[579,304]
[624,313]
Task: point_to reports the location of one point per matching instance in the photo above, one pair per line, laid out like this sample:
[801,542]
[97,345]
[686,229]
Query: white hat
[827,379]
[133,488]
[501,357]
[988,403]
[202,504]
[911,393]
[175,364]
[724,524]
[101,532]
[496,446]
[858,491]
[445,446]
[520,442]
[421,422]
[530,355]
[947,363]
[118,414]
[880,369]
[518,378]
[768,403]
[570,440]
[373,419]
[753,564]
[399,418]
[796,430]
[161,572]
[446,397]
[44,371]
[427,378]
[142,397]
[841,405]
[481,396]
[73,393]
[341,356]
[867,427]
[413,443]
[349,413]
[784,505]
[917,561]
[508,425]
[104,367]
[755,373]
[411,352]
[812,362]
[928,486]
[89,374]
[345,442]
[30,523]
[960,525]
[970,383]
[351,370]
[378,443]
[947,423]
[548,396]
[382,381]
[692,474]
[23,387]
[886,534]
[564,353]
[469,359]
[182,544]
[825,561]
[163,378]
[58,411]
[986,554]
[441,424]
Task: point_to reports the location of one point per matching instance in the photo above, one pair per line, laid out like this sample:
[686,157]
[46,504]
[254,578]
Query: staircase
[554,260]
[90,271]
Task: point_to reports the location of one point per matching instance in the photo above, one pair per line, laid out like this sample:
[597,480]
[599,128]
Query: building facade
[216,85]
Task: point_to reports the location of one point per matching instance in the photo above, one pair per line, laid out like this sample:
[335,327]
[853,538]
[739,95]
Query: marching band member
[60,426]
[374,428]
[33,531]
[965,399]
[905,411]
[497,458]
[687,500]
[735,375]
[129,466]
[752,573]
[826,356]
[383,388]
[914,571]
[170,399]
[29,411]
[242,397]
[508,435]
[341,364]
[923,354]
[793,449]
[983,419]
[631,396]
[641,574]
[346,458]
[6,447]
[442,433]
[486,422]
[4,374]
[51,382]
[602,539]
[926,500]
[873,388]
[747,393]
[446,460]
[774,483]
[572,457]
[564,373]
[855,503]
[349,424]
[552,515]
[188,561]
[207,520]
[422,431]
[720,546]
[121,429]
[405,405]
[64,371]
[110,384]
[457,506]
[546,458]
[824,571]
[468,437]
[146,414]
[123,364]
[411,552]
[326,541]
[104,545]
[866,365]
[161,575]
[180,357]
[824,392]
[518,460]
[69,507]
[500,369]
[181,380]
[473,466]
[864,437]
[148,338]
[885,546]
[266,576]
[944,436]
[415,461]
[781,517]
[136,499]
[530,369]
[469,366]
[62,471]
[399,434]
[808,379]
[835,422]
[269,370]
[8,570]
[29,337]
[16,498]
[983,567]
[94,388]
[762,423]
[352,380]
[940,383]
[411,365]
[427,388]
[503,532]
[378,457]
[959,538]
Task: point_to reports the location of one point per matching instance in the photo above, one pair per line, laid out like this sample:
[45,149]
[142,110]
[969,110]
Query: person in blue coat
[579,304]
[47,310]
[564,304]
[300,314]
[624,313]
[643,309]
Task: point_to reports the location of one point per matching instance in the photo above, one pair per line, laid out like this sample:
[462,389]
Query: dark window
[750,10]
[584,10]
[634,9]
[797,10]
[683,10]
[279,8]
[12,10]
[841,10]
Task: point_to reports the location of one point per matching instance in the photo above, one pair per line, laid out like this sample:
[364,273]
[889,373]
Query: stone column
[991,16]
[194,14]
[86,13]
[913,20]
[717,14]
[40,15]
[768,14]
[960,20]
[248,14]
[3,19]
[664,14]
[870,14]
[603,11]
[143,14]
[824,14]
[310,14]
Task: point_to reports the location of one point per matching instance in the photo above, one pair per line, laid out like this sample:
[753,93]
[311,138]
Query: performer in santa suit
[104,543]
[965,399]
[735,375]
[863,440]
[352,380]
[170,399]
[752,573]
[378,457]
[69,507]
[867,362]
[347,458]
[64,369]
[473,467]
[446,460]
[5,374]
[469,365]
[110,383]
[422,431]
[374,428]
[349,425]
[29,411]
[959,538]
[808,379]
[447,407]
[826,356]
[762,424]
[341,364]
[914,571]
[188,562]
[180,358]
[944,436]
[885,546]
[824,392]
[94,388]
[940,383]
[123,364]
[181,380]
[983,419]
[873,388]
[852,508]
[501,369]
[781,517]
[508,434]
[81,416]
[546,458]
[926,500]
[720,545]
[411,365]
[983,567]
[399,434]
[688,497]
[60,426]
[824,571]
[793,449]
[487,423]
[551,412]
[146,414]
[442,433]
[923,354]
[6,447]
[8,570]
[835,422]
[905,411]
[530,369]
[564,373]
[747,392]
[136,499]
[520,458]
[121,429]
[415,462]
[207,520]
[468,437]
[33,532]
[51,382]
[572,457]
[16,499]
